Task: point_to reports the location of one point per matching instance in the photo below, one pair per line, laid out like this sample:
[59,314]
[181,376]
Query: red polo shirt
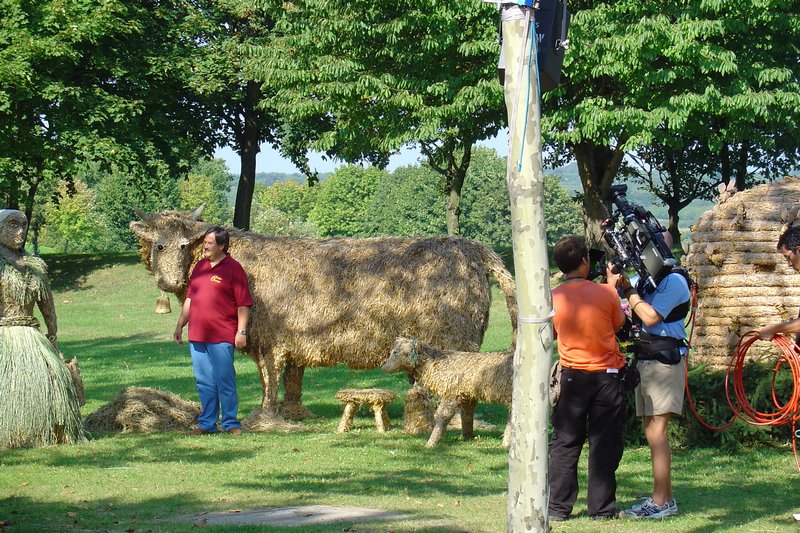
[217,293]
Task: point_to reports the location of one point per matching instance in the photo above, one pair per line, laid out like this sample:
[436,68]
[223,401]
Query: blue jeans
[216,384]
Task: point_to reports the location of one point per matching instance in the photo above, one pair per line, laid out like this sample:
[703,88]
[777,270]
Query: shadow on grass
[416,483]
[106,361]
[715,490]
[69,272]
[23,514]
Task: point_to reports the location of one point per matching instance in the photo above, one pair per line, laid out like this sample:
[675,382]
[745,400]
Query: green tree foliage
[376,76]
[676,176]
[562,214]
[121,190]
[98,80]
[282,209]
[208,183]
[342,200]
[271,221]
[72,221]
[408,202]
[241,106]
[292,198]
[487,215]
[722,72]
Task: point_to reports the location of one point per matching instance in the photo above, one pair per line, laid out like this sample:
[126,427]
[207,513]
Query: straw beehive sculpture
[744,282]
[460,379]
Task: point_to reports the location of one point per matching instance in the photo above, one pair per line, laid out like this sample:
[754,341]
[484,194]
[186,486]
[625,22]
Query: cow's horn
[197,212]
[195,215]
[141,214]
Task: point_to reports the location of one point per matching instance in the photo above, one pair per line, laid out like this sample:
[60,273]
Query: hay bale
[265,421]
[744,282]
[418,409]
[144,410]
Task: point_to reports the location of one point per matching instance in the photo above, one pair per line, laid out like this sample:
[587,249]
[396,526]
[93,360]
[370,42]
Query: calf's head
[403,357]
[168,242]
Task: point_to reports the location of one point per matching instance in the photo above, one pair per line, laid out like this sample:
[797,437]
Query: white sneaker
[641,503]
[649,509]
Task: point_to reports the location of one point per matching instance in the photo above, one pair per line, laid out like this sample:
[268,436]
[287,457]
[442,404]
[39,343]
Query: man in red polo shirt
[216,308]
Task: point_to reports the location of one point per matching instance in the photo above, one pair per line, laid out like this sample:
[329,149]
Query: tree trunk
[35,240]
[443,160]
[741,167]
[453,212]
[248,149]
[597,166]
[29,200]
[528,452]
[457,175]
[725,164]
[674,219]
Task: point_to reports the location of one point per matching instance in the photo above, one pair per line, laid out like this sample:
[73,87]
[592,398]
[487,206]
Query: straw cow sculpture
[460,379]
[744,282]
[323,302]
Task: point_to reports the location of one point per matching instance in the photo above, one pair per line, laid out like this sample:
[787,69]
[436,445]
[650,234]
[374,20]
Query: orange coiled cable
[786,413]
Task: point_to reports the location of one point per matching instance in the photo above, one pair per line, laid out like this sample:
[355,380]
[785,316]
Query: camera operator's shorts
[661,389]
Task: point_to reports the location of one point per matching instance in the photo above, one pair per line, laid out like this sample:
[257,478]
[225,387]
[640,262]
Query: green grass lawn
[133,482]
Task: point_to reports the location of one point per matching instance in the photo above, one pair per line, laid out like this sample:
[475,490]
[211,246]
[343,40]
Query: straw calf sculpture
[458,378]
[323,302]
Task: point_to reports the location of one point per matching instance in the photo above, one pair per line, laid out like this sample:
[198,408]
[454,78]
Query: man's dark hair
[221,236]
[790,239]
[569,252]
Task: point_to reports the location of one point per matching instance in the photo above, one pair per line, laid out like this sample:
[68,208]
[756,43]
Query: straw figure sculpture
[459,379]
[418,411]
[39,404]
[144,410]
[744,283]
[323,302]
[377,399]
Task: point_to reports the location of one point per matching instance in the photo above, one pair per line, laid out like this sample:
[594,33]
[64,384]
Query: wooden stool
[378,399]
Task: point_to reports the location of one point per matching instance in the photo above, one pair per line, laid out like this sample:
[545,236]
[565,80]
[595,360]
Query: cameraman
[587,315]
[662,365]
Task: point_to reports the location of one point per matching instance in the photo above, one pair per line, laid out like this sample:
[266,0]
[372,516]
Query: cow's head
[169,240]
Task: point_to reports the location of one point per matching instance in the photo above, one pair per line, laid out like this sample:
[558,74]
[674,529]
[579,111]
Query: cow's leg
[268,372]
[445,411]
[291,407]
[265,417]
[507,432]
[467,419]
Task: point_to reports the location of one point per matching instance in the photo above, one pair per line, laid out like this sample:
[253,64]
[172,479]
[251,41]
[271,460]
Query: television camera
[635,236]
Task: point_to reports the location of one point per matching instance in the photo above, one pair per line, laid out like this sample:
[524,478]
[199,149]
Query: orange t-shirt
[587,316]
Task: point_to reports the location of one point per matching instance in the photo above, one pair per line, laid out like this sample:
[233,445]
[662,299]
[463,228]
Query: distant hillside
[269,178]
[571,181]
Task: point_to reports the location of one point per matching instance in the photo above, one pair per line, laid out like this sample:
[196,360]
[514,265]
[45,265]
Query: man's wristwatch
[243,332]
